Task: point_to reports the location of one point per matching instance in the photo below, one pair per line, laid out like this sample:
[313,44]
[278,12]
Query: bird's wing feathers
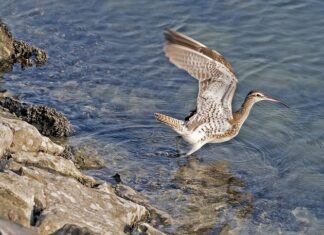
[217,81]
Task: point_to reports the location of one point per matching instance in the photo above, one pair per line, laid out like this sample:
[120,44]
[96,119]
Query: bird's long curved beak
[276,101]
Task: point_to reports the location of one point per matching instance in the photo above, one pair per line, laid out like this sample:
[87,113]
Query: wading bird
[213,120]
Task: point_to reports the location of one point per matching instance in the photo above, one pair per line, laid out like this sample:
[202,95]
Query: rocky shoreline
[42,189]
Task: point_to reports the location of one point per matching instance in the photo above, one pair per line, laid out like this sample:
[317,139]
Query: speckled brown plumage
[213,120]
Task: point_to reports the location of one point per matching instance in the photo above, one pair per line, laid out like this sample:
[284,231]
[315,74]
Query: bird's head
[257,96]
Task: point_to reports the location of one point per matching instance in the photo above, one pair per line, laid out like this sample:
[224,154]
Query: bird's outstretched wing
[217,82]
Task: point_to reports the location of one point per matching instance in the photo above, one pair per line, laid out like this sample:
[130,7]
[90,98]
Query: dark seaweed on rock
[71,229]
[47,120]
[16,51]
[28,55]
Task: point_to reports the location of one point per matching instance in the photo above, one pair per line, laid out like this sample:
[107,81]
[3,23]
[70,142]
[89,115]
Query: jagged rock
[26,145]
[59,200]
[40,189]
[18,195]
[15,51]
[47,120]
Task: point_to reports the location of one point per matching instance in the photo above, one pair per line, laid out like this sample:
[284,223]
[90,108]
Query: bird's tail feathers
[175,124]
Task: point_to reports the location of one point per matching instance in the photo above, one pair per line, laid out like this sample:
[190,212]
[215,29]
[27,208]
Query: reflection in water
[209,194]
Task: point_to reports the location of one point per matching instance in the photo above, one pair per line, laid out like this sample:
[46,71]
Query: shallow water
[107,72]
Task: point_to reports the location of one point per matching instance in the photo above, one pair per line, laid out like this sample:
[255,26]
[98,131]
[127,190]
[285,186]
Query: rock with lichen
[16,51]
[47,120]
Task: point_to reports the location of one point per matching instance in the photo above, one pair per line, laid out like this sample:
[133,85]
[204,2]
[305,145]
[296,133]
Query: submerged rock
[16,51]
[47,120]
[83,157]
[213,202]
[157,217]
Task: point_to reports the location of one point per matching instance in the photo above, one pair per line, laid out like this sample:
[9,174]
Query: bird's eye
[258,95]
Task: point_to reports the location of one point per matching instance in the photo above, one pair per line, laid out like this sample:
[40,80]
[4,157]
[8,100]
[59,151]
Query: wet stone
[83,157]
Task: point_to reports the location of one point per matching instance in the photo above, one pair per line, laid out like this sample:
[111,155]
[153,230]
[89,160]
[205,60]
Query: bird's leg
[194,148]
[178,152]
[177,145]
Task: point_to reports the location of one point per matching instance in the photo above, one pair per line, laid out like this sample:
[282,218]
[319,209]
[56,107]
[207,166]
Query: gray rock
[26,145]
[21,136]
[41,190]
[17,198]
[56,163]
[6,138]
[61,200]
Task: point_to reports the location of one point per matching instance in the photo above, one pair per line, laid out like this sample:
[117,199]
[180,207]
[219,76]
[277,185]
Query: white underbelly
[194,137]
[199,135]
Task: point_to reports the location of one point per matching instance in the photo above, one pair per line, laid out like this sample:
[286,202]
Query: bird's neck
[241,115]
